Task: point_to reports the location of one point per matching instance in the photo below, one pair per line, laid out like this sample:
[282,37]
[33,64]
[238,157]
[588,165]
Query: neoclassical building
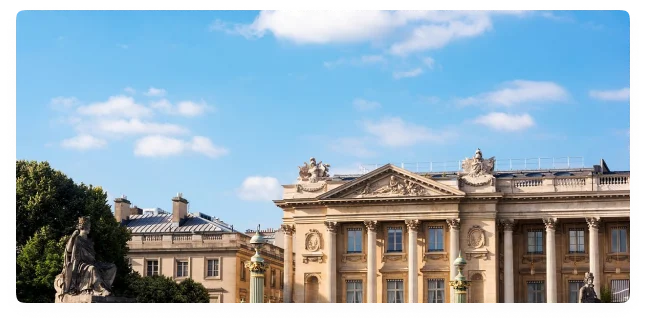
[391,235]
[182,245]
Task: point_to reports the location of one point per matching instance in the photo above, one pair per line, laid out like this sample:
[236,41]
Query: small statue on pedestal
[586,293]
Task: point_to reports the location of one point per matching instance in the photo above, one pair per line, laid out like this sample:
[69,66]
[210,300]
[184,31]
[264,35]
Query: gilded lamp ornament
[257,267]
[460,284]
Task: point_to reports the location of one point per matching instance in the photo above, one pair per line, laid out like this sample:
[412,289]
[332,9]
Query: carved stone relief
[313,240]
[478,171]
[391,186]
[477,237]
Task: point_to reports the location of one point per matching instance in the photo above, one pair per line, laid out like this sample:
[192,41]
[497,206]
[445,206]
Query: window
[354,240]
[573,289]
[243,272]
[213,268]
[436,239]
[395,291]
[620,290]
[354,291]
[273,278]
[618,238]
[182,269]
[536,291]
[282,280]
[535,241]
[577,242]
[152,268]
[436,290]
[395,239]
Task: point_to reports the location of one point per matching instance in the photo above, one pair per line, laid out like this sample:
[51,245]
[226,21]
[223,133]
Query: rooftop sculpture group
[313,171]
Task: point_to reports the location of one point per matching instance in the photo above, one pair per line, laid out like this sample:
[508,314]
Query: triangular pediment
[391,181]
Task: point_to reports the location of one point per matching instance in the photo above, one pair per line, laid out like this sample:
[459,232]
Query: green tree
[48,204]
[192,291]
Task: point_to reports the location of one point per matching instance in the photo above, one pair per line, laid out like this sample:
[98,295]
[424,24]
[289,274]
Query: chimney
[180,209]
[121,209]
[136,210]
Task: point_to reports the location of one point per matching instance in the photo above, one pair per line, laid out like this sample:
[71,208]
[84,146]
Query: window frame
[358,230]
[396,230]
[436,230]
[206,268]
[157,260]
[531,291]
[188,268]
[243,272]
[579,284]
[442,290]
[395,290]
[612,242]
[354,290]
[542,241]
[579,241]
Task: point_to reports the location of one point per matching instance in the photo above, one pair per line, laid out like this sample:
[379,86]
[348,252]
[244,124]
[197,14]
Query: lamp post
[460,283]
[257,269]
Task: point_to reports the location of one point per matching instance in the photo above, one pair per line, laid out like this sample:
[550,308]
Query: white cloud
[351,146]
[184,108]
[552,16]
[83,142]
[163,146]
[412,30]
[506,122]
[204,146]
[395,132]
[407,74]
[155,92]
[259,188]
[360,61]
[429,62]
[619,94]
[518,92]
[136,126]
[130,90]
[115,106]
[64,102]
[365,105]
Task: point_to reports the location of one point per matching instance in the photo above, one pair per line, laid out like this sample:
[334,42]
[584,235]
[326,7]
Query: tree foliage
[161,289]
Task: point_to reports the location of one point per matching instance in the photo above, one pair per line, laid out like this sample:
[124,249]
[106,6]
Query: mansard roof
[162,223]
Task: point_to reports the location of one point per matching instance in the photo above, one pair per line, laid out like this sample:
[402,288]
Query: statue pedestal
[89,299]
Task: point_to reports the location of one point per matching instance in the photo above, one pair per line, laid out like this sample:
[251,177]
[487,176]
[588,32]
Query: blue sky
[223,106]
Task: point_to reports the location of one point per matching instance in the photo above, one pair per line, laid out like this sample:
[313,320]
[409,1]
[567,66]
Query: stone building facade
[182,245]
[391,235]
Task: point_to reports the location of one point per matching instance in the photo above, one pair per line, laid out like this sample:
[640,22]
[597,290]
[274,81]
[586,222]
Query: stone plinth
[89,299]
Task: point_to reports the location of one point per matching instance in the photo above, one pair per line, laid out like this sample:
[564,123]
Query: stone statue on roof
[313,171]
[477,171]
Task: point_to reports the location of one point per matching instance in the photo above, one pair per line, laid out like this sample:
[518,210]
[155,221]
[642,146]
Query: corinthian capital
[288,229]
[508,224]
[331,226]
[371,225]
[549,223]
[454,223]
[412,224]
[593,222]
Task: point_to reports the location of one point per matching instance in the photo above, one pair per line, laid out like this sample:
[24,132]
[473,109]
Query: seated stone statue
[82,274]
[586,293]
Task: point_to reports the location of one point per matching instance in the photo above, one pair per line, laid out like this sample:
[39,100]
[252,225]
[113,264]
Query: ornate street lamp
[257,269]
[460,283]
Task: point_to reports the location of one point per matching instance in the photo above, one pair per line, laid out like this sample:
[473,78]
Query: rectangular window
[535,241]
[395,291]
[282,280]
[273,278]
[436,239]
[152,268]
[577,241]
[395,239]
[573,289]
[620,290]
[213,267]
[354,240]
[436,290]
[243,272]
[619,240]
[182,269]
[536,291]
[354,291]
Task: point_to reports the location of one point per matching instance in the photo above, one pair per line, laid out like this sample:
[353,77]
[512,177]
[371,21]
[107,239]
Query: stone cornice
[566,196]
[398,199]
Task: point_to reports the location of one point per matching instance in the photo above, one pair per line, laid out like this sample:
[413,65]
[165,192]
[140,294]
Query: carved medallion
[313,240]
[476,237]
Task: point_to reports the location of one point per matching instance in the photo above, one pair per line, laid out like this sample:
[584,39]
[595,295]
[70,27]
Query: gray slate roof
[161,223]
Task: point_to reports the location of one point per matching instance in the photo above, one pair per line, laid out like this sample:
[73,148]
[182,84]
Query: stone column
[508,228]
[288,230]
[371,286]
[413,227]
[550,281]
[454,248]
[331,259]
[593,228]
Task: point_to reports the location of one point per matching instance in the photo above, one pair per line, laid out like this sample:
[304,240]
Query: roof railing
[514,164]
